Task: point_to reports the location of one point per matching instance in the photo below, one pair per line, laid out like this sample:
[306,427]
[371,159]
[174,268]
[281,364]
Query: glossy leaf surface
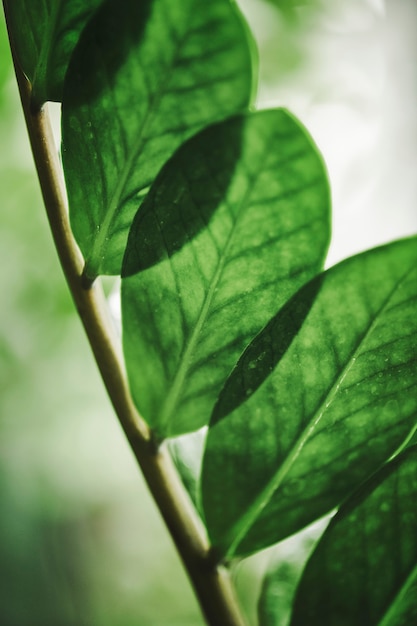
[339,401]
[144,77]
[46,33]
[364,569]
[235,223]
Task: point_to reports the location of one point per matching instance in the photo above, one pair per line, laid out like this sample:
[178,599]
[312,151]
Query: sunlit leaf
[145,76]
[364,569]
[45,34]
[234,224]
[337,404]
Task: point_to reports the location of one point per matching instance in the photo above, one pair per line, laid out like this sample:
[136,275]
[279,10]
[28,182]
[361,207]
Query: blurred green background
[80,540]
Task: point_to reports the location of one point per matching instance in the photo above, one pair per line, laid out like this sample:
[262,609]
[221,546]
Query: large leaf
[364,569]
[334,407]
[145,76]
[45,33]
[233,225]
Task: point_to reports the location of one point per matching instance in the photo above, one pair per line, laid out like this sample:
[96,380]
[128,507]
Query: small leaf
[278,589]
[336,405]
[45,35]
[283,573]
[145,76]
[364,569]
[233,225]
[187,453]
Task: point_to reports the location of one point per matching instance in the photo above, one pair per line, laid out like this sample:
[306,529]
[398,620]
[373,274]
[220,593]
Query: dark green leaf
[145,76]
[238,220]
[364,569]
[337,404]
[45,34]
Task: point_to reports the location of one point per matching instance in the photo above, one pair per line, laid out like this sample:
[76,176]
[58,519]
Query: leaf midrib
[114,206]
[241,528]
[180,377]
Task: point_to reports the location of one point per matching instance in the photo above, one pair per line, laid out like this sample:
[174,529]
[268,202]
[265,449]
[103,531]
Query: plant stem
[211,583]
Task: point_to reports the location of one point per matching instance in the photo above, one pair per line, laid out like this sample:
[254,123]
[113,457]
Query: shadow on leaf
[263,354]
[185,195]
[109,38]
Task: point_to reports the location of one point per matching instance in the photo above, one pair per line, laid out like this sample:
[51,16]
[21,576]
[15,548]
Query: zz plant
[217,218]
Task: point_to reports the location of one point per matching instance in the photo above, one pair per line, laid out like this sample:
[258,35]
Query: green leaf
[145,76]
[277,594]
[45,35]
[233,225]
[364,569]
[339,401]
[187,453]
[283,573]
[413,439]
[6,67]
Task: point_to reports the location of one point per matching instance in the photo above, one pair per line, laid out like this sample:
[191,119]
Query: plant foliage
[337,404]
[236,221]
[217,218]
[46,33]
[144,77]
[366,561]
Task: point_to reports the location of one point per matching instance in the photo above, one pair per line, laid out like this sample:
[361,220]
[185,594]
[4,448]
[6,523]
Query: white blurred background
[348,70]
